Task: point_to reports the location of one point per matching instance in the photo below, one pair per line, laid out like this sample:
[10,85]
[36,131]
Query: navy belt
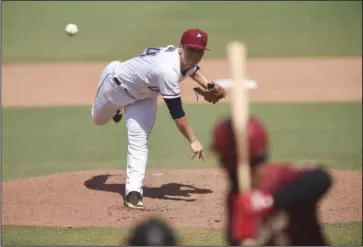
[117,81]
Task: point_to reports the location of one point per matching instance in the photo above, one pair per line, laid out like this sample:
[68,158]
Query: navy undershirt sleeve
[175,107]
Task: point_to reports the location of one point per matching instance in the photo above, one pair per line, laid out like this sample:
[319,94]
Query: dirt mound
[186,198]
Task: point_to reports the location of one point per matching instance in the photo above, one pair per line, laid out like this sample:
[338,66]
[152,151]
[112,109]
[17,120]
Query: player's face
[191,56]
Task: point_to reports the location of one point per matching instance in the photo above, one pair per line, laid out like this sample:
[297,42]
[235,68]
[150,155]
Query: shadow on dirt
[176,190]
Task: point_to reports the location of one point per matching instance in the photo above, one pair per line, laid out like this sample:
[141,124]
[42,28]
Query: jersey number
[152,51]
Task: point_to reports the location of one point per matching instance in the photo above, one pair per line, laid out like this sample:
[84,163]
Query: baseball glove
[212,94]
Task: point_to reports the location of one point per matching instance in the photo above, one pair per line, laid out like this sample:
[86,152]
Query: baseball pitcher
[131,89]
[281,208]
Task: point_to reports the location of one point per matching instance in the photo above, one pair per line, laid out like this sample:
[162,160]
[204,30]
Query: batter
[134,86]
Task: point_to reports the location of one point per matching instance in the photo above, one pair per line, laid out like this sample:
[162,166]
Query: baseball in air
[71,29]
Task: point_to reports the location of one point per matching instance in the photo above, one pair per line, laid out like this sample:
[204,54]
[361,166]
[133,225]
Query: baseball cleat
[117,117]
[134,200]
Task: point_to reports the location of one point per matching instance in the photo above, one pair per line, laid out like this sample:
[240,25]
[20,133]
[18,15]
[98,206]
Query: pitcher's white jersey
[156,71]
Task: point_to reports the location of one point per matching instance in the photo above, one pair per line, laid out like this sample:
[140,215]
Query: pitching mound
[185,198]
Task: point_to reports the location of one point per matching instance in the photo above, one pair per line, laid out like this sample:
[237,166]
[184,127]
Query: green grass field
[340,234]
[49,140]
[34,31]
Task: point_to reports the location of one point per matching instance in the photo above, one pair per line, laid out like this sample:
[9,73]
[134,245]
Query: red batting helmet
[224,142]
[195,38]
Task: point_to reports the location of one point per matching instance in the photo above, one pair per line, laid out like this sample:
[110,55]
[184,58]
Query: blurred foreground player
[152,232]
[281,208]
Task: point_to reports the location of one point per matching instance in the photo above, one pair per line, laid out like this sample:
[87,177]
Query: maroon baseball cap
[195,38]
[224,141]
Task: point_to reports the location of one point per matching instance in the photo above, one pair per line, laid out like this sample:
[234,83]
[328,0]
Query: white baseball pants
[139,116]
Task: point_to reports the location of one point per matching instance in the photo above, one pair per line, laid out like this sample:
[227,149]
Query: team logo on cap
[199,35]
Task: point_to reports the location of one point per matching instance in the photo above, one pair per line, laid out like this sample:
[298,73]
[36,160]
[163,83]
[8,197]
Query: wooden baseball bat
[236,53]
